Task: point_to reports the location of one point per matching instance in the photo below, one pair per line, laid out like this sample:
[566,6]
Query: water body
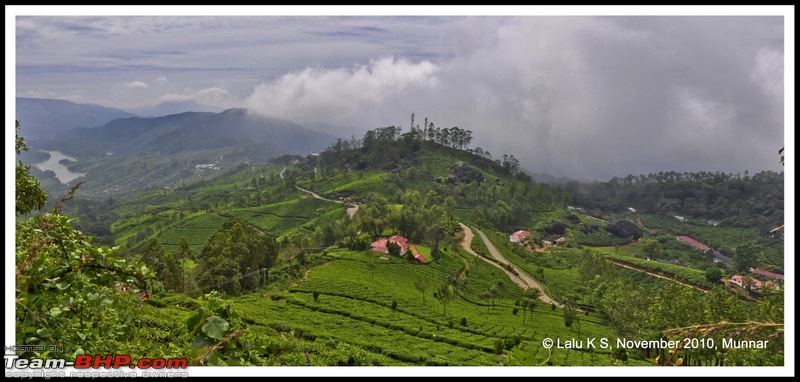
[63,174]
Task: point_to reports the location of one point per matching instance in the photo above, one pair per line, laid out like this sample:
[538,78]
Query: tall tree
[745,257]
[153,256]
[445,294]
[184,250]
[435,234]
[421,284]
[530,301]
[571,317]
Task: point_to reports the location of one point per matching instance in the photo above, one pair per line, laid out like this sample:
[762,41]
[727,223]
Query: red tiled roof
[416,254]
[756,284]
[769,274]
[518,236]
[381,245]
[694,243]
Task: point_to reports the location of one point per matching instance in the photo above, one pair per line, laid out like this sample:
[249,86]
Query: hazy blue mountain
[124,136]
[236,127]
[173,107]
[192,131]
[46,118]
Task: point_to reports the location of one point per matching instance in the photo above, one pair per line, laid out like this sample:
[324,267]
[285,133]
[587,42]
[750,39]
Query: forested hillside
[736,200]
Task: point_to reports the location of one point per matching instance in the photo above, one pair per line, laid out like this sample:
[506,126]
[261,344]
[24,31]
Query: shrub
[394,305]
[315,294]
[463,321]
[498,346]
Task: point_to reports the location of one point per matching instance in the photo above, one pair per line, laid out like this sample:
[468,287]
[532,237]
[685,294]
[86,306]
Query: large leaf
[216,327]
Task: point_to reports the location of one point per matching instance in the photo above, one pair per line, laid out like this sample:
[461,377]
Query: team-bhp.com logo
[88,365]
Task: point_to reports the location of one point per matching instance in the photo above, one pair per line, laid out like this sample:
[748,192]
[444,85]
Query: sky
[581,92]
[583,96]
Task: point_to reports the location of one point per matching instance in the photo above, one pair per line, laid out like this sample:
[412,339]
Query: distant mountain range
[191,131]
[43,118]
[87,130]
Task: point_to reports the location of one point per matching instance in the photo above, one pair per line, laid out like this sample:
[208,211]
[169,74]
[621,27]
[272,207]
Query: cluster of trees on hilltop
[381,148]
[730,199]
[387,148]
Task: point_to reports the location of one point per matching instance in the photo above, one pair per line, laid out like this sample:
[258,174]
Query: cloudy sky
[594,95]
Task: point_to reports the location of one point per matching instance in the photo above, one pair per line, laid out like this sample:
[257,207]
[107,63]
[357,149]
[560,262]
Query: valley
[282,250]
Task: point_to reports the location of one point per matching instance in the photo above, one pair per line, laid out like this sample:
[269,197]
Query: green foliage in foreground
[69,292]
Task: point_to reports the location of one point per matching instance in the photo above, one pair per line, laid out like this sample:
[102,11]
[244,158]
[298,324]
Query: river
[63,174]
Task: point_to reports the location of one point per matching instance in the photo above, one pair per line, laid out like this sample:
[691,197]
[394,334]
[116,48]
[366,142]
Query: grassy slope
[355,307]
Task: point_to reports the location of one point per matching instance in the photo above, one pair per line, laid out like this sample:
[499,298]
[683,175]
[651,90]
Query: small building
[518,236]
[381,245]
[631,209]
[417,255]
[745,282]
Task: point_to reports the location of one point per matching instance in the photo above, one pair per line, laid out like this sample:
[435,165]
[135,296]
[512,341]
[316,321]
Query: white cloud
[339,95]
[212,93]
[136,85]
[768,71]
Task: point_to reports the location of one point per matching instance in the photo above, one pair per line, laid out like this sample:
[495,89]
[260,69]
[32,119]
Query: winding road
[523,280]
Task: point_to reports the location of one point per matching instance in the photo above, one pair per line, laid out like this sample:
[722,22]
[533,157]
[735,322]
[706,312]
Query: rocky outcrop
[556,227]
[464,173]
[625,229]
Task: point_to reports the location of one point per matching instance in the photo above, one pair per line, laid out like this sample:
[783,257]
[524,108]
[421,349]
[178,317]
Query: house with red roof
[519,236]
[744,282]
[381,245]
[417,255]
[754,284]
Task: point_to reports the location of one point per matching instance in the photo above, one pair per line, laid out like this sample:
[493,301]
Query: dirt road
[523,280]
